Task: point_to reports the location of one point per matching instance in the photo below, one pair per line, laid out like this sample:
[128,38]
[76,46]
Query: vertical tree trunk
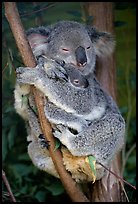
[109,188]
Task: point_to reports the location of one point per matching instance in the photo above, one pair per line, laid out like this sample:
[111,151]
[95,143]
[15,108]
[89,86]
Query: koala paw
[42,141]
[61,128]
[64,135]
[55,71]
[59,132]
[25,75]
[19,71]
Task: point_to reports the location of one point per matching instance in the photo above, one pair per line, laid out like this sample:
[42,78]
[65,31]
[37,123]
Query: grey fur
[90,111]
[87,120]
[70,35]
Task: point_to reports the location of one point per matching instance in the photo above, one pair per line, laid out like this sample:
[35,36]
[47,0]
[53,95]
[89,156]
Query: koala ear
[103,42]
[38,39]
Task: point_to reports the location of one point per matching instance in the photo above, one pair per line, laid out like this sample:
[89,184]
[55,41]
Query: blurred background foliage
[27,182]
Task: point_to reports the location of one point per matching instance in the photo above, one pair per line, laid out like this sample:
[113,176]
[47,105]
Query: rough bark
[70,185]
[108,189]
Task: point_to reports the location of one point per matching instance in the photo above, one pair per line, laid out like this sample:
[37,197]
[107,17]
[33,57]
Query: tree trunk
[109,188]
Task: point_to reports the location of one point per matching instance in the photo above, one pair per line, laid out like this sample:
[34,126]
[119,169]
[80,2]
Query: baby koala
[76,78]
[74,75]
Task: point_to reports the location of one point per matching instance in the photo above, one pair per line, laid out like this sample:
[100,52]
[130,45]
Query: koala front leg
[102,139]
[27,75]
[58,116]
[43,77]
[33,76]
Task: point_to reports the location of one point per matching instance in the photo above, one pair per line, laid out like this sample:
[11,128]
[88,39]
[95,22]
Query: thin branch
[118,177]
[38,10]
[127,155]
[8,186]
[70,185]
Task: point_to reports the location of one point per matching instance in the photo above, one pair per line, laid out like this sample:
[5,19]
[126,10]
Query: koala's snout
[80,56]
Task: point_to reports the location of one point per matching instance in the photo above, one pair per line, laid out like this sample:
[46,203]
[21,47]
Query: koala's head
[71,42]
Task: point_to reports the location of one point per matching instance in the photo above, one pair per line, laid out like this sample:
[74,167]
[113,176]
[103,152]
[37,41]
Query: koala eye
[88,47]
[65,49]
[76,81]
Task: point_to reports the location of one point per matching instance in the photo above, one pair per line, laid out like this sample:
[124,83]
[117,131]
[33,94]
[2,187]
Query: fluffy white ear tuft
[103,42]
[38,39]
[104,45]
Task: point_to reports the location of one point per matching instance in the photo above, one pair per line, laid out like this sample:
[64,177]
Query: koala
[74,75]
[84,128]
[71,42]
[86,119]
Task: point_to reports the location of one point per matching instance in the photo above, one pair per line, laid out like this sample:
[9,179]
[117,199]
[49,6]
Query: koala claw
[42,141]
[57,134]
[61,128]
[58,73]
[19,71]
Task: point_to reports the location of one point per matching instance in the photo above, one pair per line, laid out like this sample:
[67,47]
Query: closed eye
[88,47]
[76,81]
[64,49]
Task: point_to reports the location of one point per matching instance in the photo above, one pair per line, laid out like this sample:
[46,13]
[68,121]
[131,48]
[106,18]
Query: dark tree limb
[70,185]
[109,188]
[8,186]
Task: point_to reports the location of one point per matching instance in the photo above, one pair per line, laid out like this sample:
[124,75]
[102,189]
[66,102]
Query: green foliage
[126,86]
[27,182]
[92,161]
[58,143]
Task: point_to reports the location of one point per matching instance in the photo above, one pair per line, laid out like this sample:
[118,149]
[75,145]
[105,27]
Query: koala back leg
[41,158]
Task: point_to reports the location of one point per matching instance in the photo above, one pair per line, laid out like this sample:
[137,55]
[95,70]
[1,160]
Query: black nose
[81,56]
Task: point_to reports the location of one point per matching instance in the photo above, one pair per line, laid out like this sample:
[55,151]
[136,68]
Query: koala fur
[71,42]
[81,109]
[87,121]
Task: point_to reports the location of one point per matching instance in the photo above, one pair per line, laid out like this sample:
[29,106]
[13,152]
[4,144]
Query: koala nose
[80,56]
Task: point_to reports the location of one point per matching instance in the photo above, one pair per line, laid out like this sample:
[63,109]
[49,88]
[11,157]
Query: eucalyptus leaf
[92,162]
[55,188]
[40,196]
[57,144]
[24,99]
[75,13]
[4,145]
[11,136]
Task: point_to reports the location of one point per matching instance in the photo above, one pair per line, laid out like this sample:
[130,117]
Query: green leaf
[24,99]
[11,136]
[4,145]
[10,109]
[24,157]
[119,23]
[55,188]
[75,13]
[92,161]
[57,144]
[22,169]
[40,196]
[10,59]
[7,121]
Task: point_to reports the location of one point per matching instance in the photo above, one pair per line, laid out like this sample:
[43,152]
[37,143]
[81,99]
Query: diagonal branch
[70,185]
[8,186]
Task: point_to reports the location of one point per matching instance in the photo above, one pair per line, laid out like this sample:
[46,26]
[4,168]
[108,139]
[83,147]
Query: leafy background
[27,182]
